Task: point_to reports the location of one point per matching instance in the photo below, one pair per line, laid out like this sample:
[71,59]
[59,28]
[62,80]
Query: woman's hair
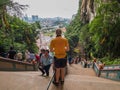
[58,32]
[47,50]
[42,50]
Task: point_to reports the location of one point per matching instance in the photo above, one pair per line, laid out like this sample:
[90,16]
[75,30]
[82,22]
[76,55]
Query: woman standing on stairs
[59,46]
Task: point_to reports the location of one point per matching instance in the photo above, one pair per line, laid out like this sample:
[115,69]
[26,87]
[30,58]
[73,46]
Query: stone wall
[14,65]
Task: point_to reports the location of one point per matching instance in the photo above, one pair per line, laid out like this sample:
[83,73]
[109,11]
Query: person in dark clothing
[11,53]
[2,52]
[42,52]
[70,60]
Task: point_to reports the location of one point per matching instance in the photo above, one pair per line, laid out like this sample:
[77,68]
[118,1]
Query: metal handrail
[50,81]
[106,73]
[96,69]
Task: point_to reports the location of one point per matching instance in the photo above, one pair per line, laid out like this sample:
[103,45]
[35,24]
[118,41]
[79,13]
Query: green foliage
[85,39]
[19,47]
[109,61]
[3,2]
[21,35]
[73,42]
[14,31]
[72,33]
[105,30]
[101,37]
[50,33]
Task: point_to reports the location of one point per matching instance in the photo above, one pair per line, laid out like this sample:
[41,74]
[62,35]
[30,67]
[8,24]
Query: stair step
[85,78]
[78,82]
[77,69]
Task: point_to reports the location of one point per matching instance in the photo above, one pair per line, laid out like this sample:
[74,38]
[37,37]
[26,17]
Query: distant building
[31,19]
[35,18]
[26,18]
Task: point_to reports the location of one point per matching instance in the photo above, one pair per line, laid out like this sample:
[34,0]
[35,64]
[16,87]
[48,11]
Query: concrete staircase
[24,80]
[79,78]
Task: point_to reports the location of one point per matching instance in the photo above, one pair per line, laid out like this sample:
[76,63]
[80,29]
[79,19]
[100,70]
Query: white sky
[51,8]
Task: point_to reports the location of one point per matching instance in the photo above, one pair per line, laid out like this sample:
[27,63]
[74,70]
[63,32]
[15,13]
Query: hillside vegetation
[99,37]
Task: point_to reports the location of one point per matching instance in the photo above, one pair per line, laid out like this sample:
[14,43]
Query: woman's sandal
[55,83]
[62,82]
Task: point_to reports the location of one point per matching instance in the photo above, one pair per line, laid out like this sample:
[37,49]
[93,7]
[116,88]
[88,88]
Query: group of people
[74,60]
[12,54]
[59,46]
[30,56]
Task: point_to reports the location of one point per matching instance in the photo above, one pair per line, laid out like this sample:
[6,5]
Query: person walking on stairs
[59,46]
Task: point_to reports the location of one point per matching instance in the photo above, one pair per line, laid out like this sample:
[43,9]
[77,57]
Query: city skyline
[51,8]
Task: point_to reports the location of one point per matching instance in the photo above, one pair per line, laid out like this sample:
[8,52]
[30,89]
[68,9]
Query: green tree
[105,29]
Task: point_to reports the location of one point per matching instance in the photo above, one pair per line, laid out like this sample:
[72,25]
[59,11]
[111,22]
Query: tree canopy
[101,36]
[13,30]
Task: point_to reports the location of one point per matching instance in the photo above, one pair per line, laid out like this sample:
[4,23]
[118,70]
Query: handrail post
[99,72]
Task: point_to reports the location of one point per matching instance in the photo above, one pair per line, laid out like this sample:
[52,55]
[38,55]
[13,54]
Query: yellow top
[59,46]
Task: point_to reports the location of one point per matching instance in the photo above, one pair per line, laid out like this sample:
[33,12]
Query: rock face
[88,9]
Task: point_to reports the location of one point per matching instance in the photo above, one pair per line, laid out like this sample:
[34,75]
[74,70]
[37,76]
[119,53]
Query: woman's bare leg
[62,74]
[57,74]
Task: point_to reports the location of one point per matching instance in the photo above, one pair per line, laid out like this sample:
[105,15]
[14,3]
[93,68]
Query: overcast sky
[51,8]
